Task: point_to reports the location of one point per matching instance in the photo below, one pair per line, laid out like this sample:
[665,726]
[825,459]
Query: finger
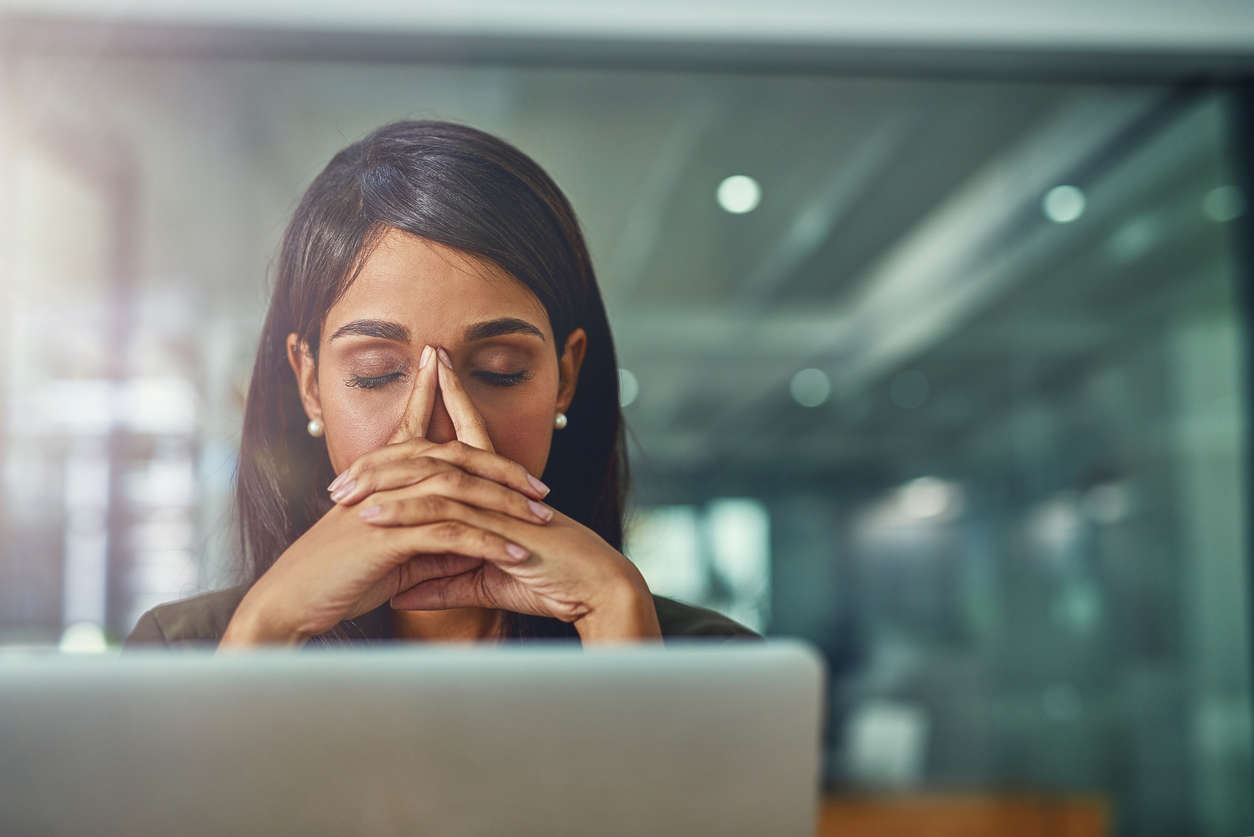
[390,508]
[467,420]
[437,524]
[446,480]
[417,416]
[463,590]
[475,460]
[360,480]
[425,567]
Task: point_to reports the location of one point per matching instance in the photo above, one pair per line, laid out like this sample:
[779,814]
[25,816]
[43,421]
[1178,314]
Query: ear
[568,366]
[302,362]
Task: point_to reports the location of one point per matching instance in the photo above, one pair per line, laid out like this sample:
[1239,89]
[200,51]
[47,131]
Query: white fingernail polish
[537,485]
[426,356]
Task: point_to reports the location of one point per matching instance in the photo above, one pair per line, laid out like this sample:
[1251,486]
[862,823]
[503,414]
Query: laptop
[691,738]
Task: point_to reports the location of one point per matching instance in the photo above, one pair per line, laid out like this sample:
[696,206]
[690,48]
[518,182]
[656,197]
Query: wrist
[254,623]
[627,613]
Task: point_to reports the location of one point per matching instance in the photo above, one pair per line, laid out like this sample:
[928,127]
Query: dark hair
[467,189]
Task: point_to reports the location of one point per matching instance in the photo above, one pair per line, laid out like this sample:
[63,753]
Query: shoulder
[684,620]
[203,619]
[191,621]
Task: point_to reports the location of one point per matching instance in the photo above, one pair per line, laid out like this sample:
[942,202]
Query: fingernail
[543,512]
[343,491]
[516,550]
[370,511]
[444,358]
[426,356]
[537,485]
[335,482]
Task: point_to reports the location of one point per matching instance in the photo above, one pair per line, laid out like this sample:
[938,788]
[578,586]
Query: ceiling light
[739,194]
[1063,204]
[810,387]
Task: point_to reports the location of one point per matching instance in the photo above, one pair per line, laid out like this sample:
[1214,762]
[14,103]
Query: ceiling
[900,230]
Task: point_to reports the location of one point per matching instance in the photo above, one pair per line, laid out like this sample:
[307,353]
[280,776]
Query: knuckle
[432,506]
[449,531]
[443,476]
[410,509]
[416,445]
[492,543]
[484,591]
[438,481]
[520,475]
[459,449]
[430,466]
[406,577]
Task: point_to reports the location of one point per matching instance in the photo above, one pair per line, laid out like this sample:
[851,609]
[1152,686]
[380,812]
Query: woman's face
[413,292]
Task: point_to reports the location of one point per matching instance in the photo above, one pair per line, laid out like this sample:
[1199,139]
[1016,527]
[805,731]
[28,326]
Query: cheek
[521,426]
[356,422]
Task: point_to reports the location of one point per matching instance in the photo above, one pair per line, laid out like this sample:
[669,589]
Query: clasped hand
[430,526]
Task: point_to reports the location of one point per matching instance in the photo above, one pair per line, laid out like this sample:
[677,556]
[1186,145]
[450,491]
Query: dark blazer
[203,619]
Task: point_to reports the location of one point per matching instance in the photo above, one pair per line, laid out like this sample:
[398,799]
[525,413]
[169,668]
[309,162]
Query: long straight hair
[472,191]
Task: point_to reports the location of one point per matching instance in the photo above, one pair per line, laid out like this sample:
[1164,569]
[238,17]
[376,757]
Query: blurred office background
[933,351]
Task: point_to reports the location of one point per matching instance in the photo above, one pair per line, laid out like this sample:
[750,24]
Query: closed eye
[504,380]
[367,382]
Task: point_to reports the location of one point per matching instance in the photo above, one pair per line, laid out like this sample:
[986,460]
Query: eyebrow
[397,333]
[383,329]
[495,328]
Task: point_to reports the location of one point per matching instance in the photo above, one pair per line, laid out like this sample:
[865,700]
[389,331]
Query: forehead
[434,290]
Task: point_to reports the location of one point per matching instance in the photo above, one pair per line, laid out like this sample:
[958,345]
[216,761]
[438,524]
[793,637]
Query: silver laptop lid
[690,738]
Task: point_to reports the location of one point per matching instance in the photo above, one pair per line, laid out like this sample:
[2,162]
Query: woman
[435,338]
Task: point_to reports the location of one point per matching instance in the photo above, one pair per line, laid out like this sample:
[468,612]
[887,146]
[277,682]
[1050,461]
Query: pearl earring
[315,427]
[559,421]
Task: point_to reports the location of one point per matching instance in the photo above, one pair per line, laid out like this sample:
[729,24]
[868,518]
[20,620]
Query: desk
[939,815]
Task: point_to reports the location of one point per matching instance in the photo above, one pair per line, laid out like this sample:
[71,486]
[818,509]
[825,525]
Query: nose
[441,427]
